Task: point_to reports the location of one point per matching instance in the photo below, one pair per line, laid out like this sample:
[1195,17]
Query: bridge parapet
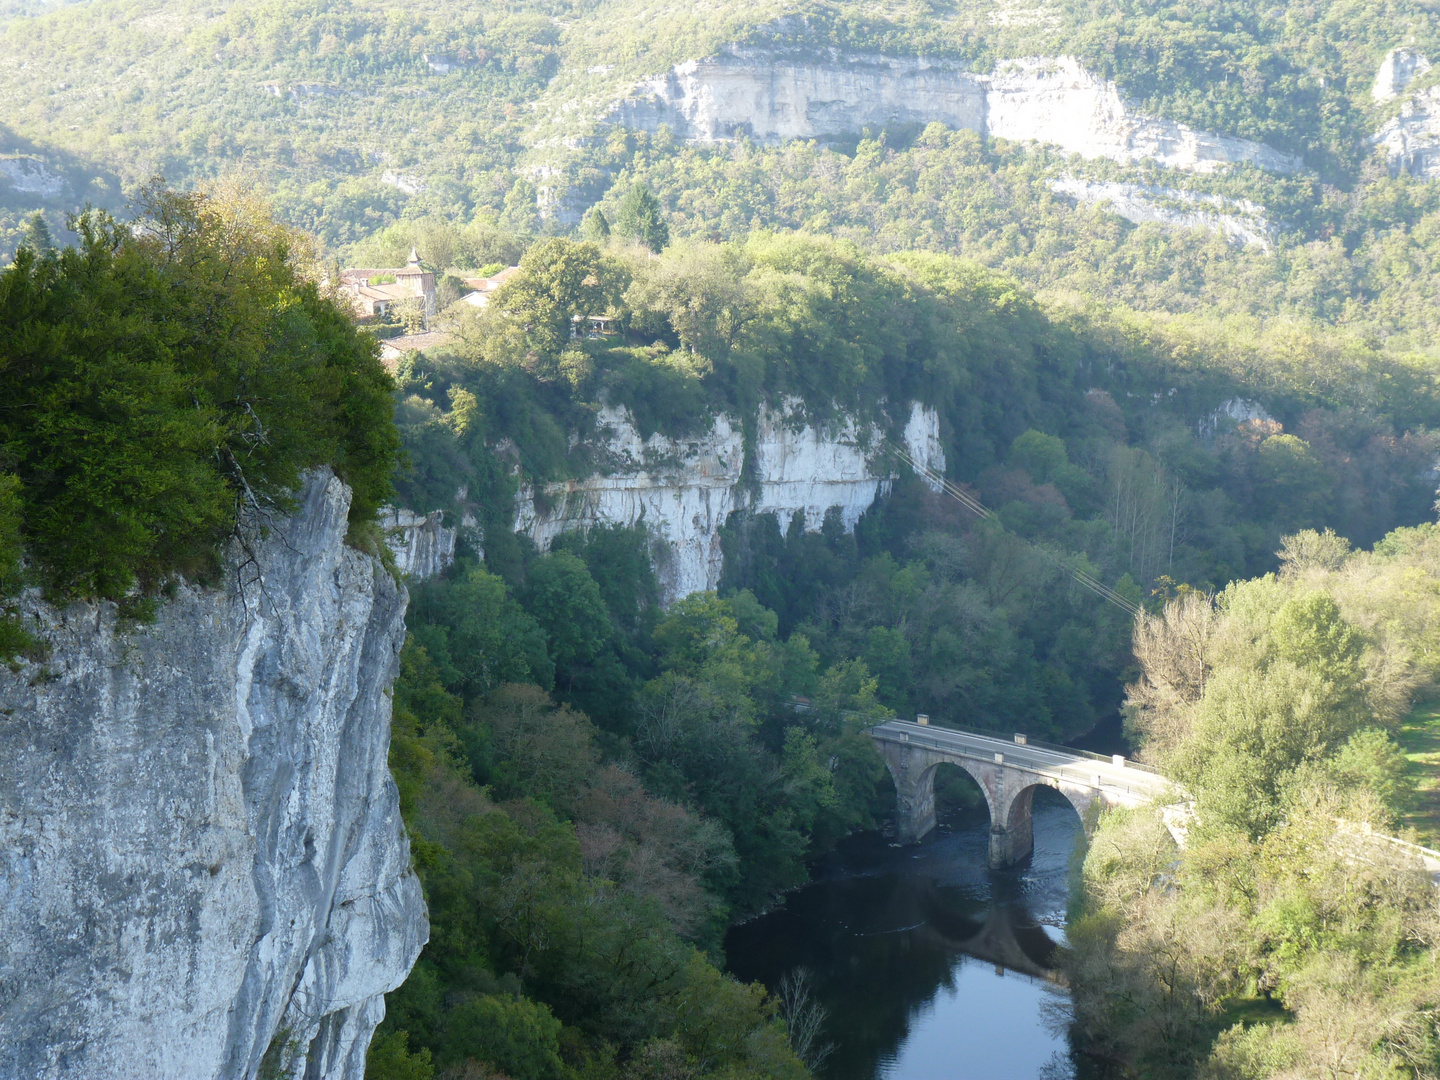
[1008,773]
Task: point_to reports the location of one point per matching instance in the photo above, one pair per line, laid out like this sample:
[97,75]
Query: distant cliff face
[201,852]
[1238,220]
[1048,100]
[1410,141]
[423,547]
[683,490]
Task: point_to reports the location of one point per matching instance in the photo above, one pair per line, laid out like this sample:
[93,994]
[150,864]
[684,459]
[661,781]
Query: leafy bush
[162,376]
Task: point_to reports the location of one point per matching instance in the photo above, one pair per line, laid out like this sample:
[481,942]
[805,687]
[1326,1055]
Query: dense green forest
[1289,938]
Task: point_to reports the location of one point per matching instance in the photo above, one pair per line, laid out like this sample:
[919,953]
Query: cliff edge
[202,861]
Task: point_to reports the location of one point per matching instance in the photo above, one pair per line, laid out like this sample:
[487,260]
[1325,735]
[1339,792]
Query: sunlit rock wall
[1238,220]
[1053,100]
[683,490]
[422,544]
[201,851]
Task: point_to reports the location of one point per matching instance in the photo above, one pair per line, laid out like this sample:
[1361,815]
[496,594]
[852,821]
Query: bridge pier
[914,801]
[1012,838]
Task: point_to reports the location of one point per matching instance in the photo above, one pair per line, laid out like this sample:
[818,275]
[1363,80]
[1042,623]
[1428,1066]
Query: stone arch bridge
[1008,772]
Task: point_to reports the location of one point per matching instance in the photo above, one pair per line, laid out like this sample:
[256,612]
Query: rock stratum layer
[1053,100]
[203,856]
[684,490]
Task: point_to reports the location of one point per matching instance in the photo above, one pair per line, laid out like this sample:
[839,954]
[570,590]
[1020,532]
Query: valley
[507,515]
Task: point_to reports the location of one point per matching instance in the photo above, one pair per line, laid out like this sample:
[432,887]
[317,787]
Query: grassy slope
[1420,738]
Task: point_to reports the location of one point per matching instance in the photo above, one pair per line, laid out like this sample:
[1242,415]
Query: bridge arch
[1009,796]
[928,781]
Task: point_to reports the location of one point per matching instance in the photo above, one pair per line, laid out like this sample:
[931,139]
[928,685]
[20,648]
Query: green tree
[173,375]
[563,597]
[560,282]
[518,1037]
[541,751]
[390,1058]
[595,226]
[477,635]
[641,217]
[37,236]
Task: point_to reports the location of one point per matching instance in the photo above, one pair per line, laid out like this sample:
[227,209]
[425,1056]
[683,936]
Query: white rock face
[406,182]
[422,545]
[1231,414]
[684,490]
[1398,70]
[1411,141]
[201,850]
[32,177]
[1238,219]
[1049,100]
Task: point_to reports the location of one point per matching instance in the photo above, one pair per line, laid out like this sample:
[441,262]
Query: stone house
[482,289]
[375,291]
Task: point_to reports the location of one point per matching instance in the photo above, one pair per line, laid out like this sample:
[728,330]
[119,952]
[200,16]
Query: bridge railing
[1055,747]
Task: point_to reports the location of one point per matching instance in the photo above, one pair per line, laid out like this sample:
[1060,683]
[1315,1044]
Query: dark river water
[928,965]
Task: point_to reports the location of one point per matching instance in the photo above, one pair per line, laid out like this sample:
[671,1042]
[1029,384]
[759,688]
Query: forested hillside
[339,114]
[1227,412]
[1289,937]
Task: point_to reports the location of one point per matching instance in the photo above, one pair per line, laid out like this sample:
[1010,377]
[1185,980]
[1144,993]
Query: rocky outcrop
[203,858]
[684,490]
[1236,219]
[31,176]
[1409,140]
[1232,413]
[771,97]
[1398,70]
[423,546]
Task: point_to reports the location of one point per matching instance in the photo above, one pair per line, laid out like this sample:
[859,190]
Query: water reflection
[929,965]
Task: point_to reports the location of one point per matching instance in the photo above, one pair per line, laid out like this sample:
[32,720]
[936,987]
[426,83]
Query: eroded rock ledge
[769,97]
[684,490]
[203,856]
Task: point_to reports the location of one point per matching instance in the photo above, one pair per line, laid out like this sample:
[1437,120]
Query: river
[928,965]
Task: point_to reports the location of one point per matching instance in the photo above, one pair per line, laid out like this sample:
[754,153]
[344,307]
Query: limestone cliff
[203,857]
[771,97]
[1239,220]
[683,490]
[1410,139]
[422,545]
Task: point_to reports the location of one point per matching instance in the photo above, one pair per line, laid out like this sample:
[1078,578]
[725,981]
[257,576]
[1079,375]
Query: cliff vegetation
[161,377]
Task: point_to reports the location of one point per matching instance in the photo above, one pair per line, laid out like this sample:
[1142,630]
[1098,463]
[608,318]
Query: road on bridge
[1114,779]
[1134,783]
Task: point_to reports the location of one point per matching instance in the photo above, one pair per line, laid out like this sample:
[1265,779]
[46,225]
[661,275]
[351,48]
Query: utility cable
[965,499]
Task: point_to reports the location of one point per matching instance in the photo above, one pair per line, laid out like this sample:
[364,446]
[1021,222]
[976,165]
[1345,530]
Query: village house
[482,289]
[375,291]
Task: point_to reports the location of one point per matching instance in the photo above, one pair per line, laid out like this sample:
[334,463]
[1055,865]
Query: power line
[965,499]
